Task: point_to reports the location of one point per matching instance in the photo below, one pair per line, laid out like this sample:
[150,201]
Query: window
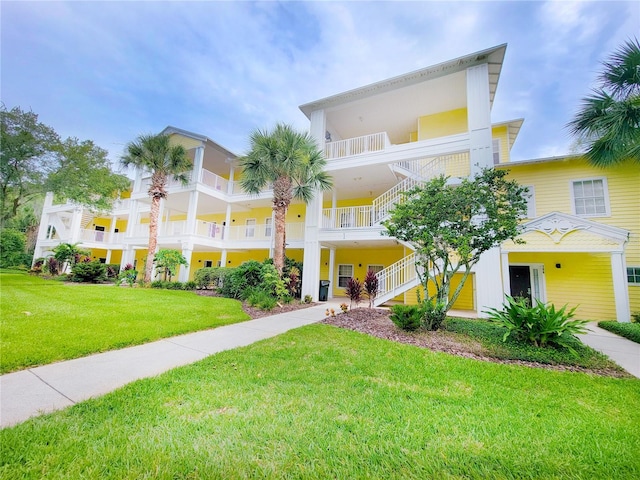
[633,275]
[530,196]
[250,229]
[496,151]
[375,268]
[267,226]
[208,263]
[345,272]
[590,197]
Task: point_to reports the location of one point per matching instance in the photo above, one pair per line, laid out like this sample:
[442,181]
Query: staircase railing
[397,278]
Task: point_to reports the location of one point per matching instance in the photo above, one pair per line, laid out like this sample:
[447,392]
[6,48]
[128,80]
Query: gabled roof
[493,56]
[196,136]
[513,127]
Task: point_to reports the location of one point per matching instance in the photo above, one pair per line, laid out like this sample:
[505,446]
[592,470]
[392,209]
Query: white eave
[513,128]
[492,56]
[196,136]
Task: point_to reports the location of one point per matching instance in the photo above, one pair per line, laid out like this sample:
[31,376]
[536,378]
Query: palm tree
[155,153]
[609,120]
[292,162]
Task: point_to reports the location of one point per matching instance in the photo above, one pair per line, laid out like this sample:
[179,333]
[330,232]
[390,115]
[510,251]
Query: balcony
[96,236]
[356,146]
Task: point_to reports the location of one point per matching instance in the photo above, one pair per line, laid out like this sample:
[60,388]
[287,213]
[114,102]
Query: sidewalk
[622,351]
[39,390]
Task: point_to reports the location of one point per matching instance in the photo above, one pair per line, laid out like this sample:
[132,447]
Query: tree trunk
[153,237]
[280,214]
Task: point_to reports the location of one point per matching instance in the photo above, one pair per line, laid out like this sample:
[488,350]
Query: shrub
[112,270]
[89,272]
[272,283]
[209,277]
[190,285]
[308,299]
[540,325]
[433,314]
[407,317]
[159,284]
[371,286]
[630,331]
[261,299]
[635,317]
[52,266]
[353,290]
[128,274]
[12,248]
[238,279]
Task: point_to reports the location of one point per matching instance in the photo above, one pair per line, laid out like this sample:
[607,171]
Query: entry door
[520,280]
[99,233]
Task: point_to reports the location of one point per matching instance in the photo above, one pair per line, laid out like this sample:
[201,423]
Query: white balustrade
[357,145]
[214,181]
[348,217]
[393,279]
[97,236]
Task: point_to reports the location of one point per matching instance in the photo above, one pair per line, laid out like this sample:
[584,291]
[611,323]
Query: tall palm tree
[609,119]
[156,154]
[292,162]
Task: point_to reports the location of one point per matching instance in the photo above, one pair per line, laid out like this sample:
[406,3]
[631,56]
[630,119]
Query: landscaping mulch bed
[376,322]
[254,312]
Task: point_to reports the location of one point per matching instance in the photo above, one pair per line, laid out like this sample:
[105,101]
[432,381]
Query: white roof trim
[493,56]
[556,225]
[196,136]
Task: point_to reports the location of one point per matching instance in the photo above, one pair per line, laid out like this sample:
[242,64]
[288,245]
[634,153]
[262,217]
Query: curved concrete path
[39,390]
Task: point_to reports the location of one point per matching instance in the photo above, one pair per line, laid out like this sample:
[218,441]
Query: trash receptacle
[324,290]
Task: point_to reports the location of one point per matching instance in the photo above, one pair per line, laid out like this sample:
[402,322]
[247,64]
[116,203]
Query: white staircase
[397,279]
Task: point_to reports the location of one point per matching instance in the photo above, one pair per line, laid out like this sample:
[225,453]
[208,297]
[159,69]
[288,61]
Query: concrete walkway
[622,351]
[55,386]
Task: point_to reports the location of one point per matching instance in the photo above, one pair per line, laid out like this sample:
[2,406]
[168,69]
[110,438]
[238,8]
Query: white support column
[479,117]
[197,164]
[133,221]
[620,286]
[76,220]
[187,251]
[313,221]
[108,259]
[231,174]
[128,256]
[191,213]
[223,258]
[506,282]
[227,223]
[332,261]
[489,282]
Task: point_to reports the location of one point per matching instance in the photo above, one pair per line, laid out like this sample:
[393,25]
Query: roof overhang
[494,57]
[513,128]
[202,138]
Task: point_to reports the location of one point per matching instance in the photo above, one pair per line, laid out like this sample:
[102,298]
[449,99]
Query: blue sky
[109,71]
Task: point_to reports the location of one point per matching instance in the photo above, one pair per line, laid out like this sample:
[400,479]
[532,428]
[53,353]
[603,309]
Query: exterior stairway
[397,279]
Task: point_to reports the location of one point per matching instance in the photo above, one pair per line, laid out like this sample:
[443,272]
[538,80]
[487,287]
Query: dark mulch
[376,322]
[254,312]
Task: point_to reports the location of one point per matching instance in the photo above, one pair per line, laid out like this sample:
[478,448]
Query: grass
[490,337]
[629,331]
[44,321]
[323,402]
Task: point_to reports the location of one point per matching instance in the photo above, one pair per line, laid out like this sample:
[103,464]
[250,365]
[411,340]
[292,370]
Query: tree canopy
[291,162]
[451,226]
[156,154]
[608,122]
[34,160]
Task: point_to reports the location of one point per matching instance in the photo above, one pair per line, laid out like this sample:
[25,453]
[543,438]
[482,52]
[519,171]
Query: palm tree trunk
[153,237]
[280,214]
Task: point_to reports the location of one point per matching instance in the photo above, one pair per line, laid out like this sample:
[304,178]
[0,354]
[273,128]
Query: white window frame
[605,193]
[636,274]
[208,263]
[350,265]
[531,201]
[268,226]
[495,146]
[376,266]
[250,228]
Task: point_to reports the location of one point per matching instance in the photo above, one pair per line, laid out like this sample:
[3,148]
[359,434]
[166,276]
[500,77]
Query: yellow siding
[465,300]
[552,183]
[583,280]
[413,136]
[442,124]
[121,225]
[501,133]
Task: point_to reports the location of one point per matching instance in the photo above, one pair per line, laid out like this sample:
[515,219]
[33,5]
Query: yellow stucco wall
[465,300]
[360,259]
[442,124]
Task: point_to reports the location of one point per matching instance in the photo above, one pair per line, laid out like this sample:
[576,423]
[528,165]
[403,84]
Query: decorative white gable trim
[556,225]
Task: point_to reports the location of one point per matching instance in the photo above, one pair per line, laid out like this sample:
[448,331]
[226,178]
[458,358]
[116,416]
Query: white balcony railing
[397,278]
[295,231]
[214,181]
[355,146]
[96,236]
[349,217]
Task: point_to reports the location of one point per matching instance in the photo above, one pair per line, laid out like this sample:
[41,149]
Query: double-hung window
[590,197]
[345,272]
[633,275]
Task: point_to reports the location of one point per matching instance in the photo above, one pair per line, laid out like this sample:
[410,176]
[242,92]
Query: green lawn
[323,402]
[44,321]
[630,331]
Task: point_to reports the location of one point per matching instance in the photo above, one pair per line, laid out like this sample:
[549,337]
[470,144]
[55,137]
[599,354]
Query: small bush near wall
[629,331]
[89,272]
[166,285]
[407,317]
